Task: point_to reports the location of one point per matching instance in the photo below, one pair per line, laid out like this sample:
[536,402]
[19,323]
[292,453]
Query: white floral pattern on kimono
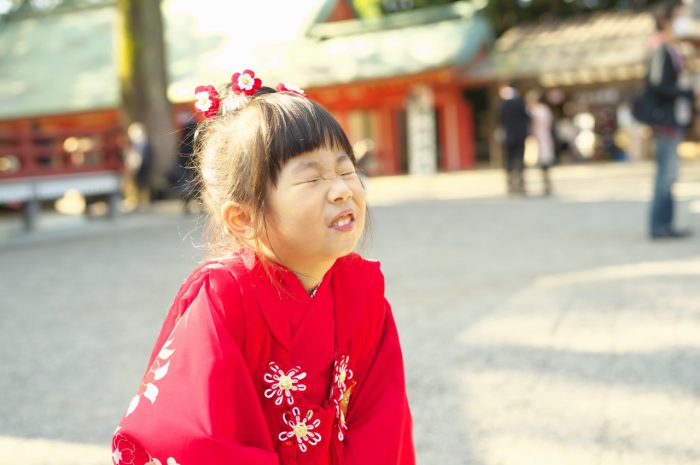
[300,428]
[283,383]
[158,370]
[123,451]
[341,390]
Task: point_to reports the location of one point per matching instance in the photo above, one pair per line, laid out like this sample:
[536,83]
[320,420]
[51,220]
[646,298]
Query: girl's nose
[339,191]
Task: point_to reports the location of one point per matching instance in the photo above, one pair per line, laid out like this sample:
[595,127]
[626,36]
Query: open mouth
[344,221]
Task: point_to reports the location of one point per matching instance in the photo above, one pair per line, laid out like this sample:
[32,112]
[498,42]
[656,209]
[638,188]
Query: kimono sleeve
[379,419]
[197,403]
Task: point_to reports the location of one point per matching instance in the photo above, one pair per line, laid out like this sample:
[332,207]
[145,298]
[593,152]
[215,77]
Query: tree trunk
[143,79]
[554,7]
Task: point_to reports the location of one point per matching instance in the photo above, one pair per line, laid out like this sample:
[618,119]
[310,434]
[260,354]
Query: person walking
[542,131]
[515,121]
[672,109]
[183,175]
[139,161]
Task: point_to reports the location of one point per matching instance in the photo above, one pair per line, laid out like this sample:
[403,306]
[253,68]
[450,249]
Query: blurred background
[540,323]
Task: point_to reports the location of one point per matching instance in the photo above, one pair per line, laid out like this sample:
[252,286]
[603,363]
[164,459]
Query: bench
[37,165]
[32,191]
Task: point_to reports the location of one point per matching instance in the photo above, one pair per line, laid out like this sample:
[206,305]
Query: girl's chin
[347,251]
[341,251]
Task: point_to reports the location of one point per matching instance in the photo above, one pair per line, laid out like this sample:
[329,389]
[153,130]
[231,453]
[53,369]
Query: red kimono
[250,370]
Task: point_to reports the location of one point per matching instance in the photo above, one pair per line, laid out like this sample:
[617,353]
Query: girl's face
[316,213]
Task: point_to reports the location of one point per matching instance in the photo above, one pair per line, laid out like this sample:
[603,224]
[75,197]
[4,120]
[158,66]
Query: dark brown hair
[664,13]
[241,151]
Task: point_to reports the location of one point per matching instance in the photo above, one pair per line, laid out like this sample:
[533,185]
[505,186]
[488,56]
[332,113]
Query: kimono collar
[285,280]
[279,292]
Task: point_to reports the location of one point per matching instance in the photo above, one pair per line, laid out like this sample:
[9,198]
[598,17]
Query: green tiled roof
[591,48]
[57,63]
[404,19]
[386,53]
[64,61]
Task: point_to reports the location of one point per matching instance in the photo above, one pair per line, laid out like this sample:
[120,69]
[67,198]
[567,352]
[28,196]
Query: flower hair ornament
[245,83]
[208,100]
[281,87]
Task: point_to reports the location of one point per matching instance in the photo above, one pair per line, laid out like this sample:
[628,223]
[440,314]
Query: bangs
[296,125]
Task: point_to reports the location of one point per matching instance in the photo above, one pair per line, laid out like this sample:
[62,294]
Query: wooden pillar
[27,152]
[342,114]
[388,156]
[467,140]
[458,131]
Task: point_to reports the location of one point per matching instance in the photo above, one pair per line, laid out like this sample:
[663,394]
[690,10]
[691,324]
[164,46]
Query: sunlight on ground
[585,383]
[589,333]
[22,451]
[391,190]
[553,421]
[694,207]
[690,267]
[685,190]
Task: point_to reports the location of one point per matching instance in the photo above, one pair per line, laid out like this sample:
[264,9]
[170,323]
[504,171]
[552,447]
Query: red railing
[52,152]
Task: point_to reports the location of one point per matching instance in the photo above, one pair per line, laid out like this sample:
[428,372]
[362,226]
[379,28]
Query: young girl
[283,350]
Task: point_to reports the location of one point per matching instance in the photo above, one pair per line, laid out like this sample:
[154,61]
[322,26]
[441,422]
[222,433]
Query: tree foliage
[504,14]
[38,6]
[374,8]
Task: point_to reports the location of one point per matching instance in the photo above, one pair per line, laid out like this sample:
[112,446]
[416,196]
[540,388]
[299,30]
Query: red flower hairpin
[208,100]
[289,88]
[245,83]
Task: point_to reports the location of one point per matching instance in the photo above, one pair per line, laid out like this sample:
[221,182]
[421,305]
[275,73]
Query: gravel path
[535,331]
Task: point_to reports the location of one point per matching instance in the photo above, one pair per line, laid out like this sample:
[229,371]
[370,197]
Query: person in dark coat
[141,154]
[673,108]
[183,176]
[515,121]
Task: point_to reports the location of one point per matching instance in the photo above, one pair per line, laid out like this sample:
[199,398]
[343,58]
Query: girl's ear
[238,220]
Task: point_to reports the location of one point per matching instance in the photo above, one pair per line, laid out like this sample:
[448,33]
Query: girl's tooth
[343,222]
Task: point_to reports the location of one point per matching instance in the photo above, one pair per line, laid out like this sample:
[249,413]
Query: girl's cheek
[361,196]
